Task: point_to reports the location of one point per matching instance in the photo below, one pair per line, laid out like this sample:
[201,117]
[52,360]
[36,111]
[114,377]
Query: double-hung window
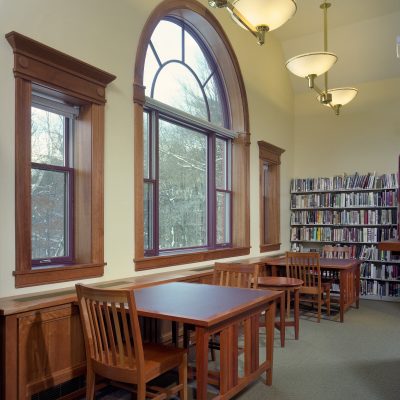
[52,181]
[187,145]
[59,164]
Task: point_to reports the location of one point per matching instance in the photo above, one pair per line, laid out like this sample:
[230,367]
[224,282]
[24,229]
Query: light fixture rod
[325,7]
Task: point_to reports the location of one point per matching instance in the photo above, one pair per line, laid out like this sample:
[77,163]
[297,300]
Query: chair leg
[288,304]
[319,306]
[141,391]
[183,394]
[328,301]
[90,383]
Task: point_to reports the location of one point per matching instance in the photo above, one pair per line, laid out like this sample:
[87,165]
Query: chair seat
[157,360]
[160,358]
[279,282]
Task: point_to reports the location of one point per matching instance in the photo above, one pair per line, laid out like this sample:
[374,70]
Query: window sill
[42,276]
[188,258]
[264,248]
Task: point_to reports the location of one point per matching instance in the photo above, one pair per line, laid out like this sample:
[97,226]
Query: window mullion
[211,197]
[156,176]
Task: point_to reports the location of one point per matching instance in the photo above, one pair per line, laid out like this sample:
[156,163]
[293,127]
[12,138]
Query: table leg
[282,322]
[202,339]
[343,290]
[296,312]
[269,331]
[228,358]
[357,283]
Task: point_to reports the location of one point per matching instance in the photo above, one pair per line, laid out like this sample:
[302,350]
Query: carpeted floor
[356,360]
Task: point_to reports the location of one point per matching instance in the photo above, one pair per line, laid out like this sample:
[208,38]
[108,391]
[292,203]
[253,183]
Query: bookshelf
[359,211]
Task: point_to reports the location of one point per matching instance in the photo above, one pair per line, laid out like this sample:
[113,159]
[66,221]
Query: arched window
[186,143]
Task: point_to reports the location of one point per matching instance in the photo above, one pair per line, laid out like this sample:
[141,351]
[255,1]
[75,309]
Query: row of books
[345,234]
[346,182]
[380,271]
[371,252]
[364,252]
[341,200]
[345,217]
[379,288]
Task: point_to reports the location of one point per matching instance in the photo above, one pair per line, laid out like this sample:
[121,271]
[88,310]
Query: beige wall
[105,34]
[364,138]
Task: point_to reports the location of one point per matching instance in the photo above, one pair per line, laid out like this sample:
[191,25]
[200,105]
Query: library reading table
[349,278]
[216,309]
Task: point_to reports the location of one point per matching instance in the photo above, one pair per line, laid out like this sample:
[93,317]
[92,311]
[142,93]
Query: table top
[279,281]
[199,304]
[328,263]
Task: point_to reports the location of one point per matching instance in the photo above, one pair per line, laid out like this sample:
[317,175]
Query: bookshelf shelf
[381,298]
[359,211]
[348,225]
[342,208]
[380,279]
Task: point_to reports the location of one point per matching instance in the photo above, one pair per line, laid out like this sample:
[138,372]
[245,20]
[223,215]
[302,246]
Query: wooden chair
[338,252]
[236,275]
[305,266]
[341,252]
[114,348]
[227,274]
[287,286]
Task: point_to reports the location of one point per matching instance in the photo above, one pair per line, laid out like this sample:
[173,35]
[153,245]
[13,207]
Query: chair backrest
[304,266]
[341,252]
[111,327]
[236,275]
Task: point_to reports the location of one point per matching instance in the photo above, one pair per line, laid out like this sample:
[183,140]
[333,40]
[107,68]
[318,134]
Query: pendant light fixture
[258,16]
[311,65]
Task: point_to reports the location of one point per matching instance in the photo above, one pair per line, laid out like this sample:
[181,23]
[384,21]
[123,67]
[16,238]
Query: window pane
[167,41]
[150,68]
[215,103]
[195,59]
[47,143]
[146,144]
[148,200]
[223,217]
[182,187]
[177,87]
[220,163]
[49,214]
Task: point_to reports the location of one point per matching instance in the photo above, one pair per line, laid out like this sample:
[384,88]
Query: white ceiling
[362,33]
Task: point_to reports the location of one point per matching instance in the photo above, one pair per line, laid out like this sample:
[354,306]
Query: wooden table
[213,309]
[349,278]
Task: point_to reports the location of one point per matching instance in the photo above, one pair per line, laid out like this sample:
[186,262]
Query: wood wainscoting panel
[51,348]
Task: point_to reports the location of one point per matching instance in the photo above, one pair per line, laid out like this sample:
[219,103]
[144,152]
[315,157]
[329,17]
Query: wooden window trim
[268,153]
[210,30]
[70,79]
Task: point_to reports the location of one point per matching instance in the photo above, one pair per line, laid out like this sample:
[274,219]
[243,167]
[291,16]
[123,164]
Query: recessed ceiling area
[362,33]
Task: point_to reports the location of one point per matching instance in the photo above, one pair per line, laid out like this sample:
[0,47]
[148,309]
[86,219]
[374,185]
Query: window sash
[198,123]
[69,113]
[153,248]
[68,257]
[56,107]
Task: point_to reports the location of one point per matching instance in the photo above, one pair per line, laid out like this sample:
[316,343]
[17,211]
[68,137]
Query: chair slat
[110,333]
[126,336]
[306,266]
[237,275]
[117,327]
